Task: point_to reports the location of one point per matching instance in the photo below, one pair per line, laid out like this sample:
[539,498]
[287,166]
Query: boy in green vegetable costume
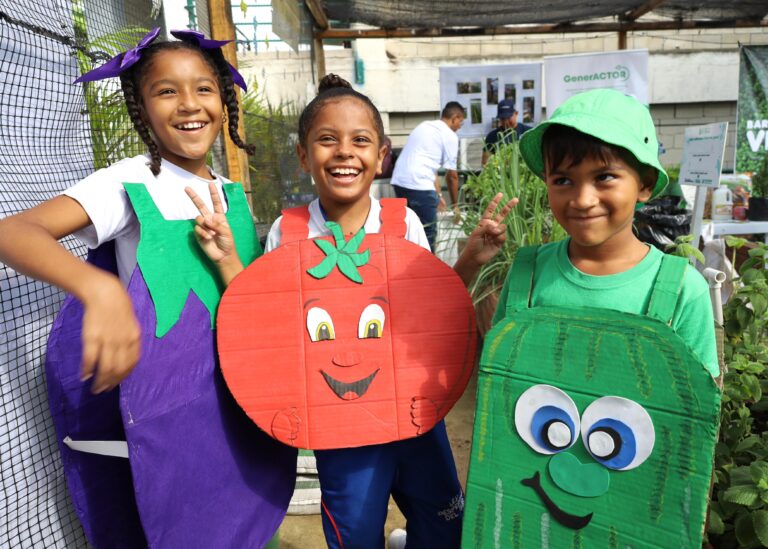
[597,409]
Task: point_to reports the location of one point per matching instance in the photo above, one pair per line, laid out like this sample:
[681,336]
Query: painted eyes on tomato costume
[617,432]
[320,326]
[371,323]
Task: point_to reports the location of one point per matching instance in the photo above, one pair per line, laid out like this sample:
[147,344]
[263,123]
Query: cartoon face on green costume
[594,428]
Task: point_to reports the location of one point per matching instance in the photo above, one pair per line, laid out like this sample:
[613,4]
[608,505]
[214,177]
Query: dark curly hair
[333,86]
[131,79]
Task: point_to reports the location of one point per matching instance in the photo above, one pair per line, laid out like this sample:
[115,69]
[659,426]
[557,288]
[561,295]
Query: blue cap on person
[505,109]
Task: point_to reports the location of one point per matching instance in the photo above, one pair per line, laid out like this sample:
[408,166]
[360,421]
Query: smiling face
[342,153]
[594,200]
[182,104]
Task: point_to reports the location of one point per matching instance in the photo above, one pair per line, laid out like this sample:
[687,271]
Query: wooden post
[622,40]
[320,21]
[319,55]
[223,28]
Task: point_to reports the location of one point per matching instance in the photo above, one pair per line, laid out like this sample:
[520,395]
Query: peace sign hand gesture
[214,234]
[485,240]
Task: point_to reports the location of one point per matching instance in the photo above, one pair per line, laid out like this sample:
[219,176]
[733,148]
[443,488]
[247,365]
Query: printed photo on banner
[482,87]
[492,91]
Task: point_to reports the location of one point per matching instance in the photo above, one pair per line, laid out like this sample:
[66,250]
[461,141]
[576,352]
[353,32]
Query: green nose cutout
[586,480]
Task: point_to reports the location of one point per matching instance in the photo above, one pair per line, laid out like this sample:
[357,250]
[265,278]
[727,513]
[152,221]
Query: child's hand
[111,336]
[212,229]
[485,240]
[214,234]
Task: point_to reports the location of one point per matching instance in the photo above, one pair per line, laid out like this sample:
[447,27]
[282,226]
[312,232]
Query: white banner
[567,75]
[479,89]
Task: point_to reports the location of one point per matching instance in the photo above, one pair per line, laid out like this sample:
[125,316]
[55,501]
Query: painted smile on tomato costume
[352,390]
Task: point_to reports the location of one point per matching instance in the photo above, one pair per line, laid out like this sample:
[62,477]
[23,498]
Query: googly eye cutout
[617,432]
[547,419]
[320,325]
[371,323]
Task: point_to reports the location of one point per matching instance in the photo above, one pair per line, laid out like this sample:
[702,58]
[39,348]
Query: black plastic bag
[662,220]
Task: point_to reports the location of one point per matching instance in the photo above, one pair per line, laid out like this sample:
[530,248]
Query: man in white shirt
[432,145]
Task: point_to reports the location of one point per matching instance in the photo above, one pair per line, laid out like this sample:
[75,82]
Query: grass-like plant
[530,222]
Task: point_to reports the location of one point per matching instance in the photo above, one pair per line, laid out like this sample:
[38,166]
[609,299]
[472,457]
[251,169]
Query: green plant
[112,133]
[530,222]
[760,180]
[683,247]
[739,510]
[274,169]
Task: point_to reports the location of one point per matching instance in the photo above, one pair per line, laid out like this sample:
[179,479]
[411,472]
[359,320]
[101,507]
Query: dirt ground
[306,532]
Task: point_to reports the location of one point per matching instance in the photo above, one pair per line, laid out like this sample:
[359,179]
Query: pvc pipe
[715,279]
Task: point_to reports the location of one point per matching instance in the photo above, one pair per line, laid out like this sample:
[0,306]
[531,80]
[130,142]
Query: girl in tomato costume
[341,144]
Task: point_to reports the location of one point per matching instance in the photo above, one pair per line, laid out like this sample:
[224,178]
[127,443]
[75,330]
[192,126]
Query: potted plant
[530,222]
[758,202]
[739,509]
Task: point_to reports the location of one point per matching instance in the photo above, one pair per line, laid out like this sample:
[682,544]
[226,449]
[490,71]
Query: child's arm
[485,240]
[215,236]
[111,335]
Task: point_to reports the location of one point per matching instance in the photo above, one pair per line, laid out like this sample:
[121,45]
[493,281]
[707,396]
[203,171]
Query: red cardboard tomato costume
[327,343]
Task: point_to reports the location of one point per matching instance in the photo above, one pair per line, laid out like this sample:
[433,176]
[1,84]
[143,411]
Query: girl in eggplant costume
[199,473]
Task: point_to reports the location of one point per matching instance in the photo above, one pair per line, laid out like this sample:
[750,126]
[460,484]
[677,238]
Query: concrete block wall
[556,44]
[671,121]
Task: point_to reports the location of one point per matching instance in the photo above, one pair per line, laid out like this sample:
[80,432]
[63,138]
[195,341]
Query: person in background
[509,129]
[432,145]
[388,164]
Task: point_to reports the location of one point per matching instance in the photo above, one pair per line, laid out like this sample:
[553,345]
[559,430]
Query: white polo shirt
[430,146]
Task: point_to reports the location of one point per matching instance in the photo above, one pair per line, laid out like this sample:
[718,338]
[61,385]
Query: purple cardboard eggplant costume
[199,473]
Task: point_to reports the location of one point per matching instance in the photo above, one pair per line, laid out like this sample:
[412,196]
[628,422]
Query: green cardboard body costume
[594,428]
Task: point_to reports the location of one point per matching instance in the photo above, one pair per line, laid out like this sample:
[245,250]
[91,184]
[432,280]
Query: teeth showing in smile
[345,171]
[191,125]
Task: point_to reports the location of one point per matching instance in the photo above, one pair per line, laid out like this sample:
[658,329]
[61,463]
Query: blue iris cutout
[624,444]
[543,419]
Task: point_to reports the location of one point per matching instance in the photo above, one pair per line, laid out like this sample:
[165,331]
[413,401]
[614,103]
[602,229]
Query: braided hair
[333,86]
[130,81]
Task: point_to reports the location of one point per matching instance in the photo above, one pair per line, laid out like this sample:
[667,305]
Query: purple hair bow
[204,43]
[123,61]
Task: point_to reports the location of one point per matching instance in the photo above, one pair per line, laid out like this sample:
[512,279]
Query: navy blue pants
[424,204]
[419,473]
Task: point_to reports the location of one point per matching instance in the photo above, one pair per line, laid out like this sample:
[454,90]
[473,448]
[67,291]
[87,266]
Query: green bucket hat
[608,115]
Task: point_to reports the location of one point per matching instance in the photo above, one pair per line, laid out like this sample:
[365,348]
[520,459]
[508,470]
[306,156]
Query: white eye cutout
[320,325]
[547,419]
[371,322]
[617,432]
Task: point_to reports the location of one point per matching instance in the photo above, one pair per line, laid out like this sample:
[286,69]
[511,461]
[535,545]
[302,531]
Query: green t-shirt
[557,282]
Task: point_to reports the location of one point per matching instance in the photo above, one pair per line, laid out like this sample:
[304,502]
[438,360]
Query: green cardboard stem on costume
[344,255]
[172,262]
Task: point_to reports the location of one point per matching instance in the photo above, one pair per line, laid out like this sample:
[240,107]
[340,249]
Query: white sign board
[479,88]
[567,75]
[703,150]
